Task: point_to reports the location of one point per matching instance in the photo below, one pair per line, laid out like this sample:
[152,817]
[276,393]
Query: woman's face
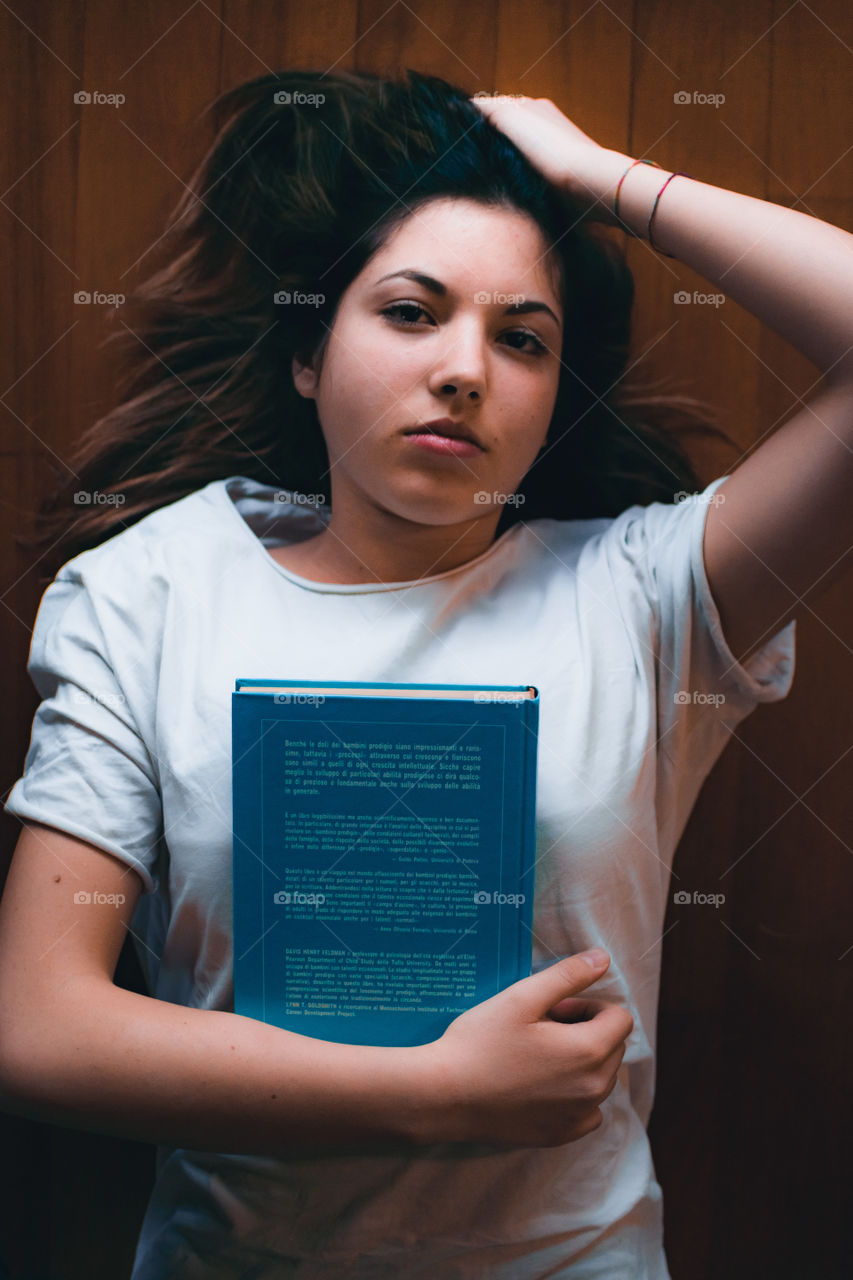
[403,352]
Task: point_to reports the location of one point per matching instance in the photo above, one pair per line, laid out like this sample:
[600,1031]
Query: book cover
[384,841]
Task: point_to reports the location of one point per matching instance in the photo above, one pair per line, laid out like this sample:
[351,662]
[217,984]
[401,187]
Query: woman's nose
[462,363]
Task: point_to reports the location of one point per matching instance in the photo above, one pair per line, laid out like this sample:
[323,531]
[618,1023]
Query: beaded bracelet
[679,173]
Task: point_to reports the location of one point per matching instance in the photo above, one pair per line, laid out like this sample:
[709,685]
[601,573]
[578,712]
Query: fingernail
[594,958]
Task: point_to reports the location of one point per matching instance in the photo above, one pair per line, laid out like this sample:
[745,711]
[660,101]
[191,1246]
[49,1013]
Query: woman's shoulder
[170,539]
[638,526]
[647,543]
[553,541]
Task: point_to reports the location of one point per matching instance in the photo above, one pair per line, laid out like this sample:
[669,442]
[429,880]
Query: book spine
[246,875]
[530,730]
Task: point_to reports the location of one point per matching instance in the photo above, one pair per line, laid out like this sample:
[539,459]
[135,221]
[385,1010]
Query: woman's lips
[444,444]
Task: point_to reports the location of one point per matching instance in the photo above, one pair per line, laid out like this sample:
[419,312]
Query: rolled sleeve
[702,692]
[87,770]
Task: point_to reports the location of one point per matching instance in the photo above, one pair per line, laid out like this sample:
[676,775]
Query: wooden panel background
[753,1119]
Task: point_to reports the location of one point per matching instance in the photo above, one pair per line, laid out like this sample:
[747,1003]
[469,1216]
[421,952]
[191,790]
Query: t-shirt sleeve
[87,770]
[702,691]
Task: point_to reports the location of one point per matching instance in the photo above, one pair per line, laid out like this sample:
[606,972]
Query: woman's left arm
[786,524]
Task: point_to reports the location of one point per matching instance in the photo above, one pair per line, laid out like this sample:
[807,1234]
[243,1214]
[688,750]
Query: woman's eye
[397,308]
[538,346]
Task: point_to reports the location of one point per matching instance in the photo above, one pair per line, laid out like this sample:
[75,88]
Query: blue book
[384,839]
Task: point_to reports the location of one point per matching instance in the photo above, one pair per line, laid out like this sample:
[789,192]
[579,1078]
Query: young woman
[376,431]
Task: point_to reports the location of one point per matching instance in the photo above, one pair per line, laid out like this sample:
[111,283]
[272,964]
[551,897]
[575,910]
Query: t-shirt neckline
[342,588]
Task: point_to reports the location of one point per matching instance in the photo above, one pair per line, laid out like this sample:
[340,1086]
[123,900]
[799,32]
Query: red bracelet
[678,174]
[622,179]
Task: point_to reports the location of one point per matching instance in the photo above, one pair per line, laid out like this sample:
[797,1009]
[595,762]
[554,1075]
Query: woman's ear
[304,378]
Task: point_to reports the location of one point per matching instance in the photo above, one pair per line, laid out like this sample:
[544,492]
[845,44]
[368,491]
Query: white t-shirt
[135,652]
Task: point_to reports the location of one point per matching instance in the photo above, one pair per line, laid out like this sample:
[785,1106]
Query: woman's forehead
[457,242]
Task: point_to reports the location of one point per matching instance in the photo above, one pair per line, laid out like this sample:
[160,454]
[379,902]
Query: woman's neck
[357,556]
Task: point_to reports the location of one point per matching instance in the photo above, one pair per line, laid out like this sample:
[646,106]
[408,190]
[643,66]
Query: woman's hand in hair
[562,152]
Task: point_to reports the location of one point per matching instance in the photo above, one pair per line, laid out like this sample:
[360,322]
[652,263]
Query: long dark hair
[306,179]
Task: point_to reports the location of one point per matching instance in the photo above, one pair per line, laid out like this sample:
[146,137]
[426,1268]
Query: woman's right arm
[78,1051]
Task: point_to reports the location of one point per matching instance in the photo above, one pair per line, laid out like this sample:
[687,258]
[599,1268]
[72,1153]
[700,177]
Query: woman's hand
[532,1065]
[562,152]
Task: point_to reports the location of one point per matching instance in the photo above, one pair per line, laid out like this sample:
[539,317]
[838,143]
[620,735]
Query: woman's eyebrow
[435,286]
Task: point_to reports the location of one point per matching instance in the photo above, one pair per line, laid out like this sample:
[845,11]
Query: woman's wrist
[622,191]
[594,184]
[436,1112]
